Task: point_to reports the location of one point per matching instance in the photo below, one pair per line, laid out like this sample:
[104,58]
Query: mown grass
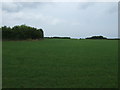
[55,63]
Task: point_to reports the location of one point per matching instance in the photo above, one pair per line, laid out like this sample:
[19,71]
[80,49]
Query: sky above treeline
[73,19]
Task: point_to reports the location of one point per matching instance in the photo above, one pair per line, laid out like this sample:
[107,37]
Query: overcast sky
[78,19]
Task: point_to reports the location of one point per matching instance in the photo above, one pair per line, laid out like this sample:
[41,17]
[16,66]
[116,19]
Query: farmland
[60,63]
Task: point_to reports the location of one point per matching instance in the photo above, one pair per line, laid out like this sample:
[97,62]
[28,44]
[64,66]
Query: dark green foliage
[96,37]
[0,33]
[57,37]
[21,32]
[61,37]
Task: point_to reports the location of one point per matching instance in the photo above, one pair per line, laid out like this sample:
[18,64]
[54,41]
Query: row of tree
[57,37]
[93,37]
[21,32]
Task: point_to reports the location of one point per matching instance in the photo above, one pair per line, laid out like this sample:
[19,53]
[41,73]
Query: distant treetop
[96,37]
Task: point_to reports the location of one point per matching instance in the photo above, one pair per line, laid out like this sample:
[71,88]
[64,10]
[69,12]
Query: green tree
[22,32]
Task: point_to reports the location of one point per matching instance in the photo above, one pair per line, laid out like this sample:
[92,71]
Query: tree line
[92,37]
[57,37]
[21,32]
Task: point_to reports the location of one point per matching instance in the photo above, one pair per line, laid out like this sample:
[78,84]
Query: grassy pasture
[57,63]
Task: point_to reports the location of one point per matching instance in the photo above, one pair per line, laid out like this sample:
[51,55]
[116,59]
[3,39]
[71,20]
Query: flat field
[60,63]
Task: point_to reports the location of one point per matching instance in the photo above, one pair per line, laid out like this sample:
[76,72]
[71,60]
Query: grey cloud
[10,7]
[17,6]
[85,5]
[113,8]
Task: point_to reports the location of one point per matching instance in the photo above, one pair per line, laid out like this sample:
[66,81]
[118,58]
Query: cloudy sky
[74,19]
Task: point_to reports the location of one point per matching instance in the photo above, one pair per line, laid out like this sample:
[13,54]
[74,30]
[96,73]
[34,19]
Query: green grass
[54,63]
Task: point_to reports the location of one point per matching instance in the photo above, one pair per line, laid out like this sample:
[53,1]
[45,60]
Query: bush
[96,37]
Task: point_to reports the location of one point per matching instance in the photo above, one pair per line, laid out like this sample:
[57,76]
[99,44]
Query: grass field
[55,63]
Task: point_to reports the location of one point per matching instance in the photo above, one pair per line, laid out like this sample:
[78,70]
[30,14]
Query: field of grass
[56,63]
